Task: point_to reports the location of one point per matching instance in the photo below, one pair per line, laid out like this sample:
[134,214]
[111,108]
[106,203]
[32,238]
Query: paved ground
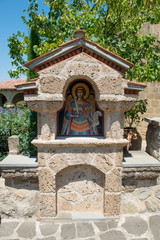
[137,227]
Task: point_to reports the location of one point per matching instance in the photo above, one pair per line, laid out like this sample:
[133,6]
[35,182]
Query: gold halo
[83,86]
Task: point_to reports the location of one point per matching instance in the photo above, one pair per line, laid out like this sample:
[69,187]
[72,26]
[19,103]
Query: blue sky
[10,22]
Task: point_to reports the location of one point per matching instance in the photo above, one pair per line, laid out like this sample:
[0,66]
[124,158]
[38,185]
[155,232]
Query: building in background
[9,92]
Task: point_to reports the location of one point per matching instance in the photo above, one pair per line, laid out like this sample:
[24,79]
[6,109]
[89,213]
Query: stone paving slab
[19,161]
[136,227]
[139,159]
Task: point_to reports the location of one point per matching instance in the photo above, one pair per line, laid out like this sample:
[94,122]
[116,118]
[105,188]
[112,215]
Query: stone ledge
[20,173]
[81,142]
[141,173]
[127,173]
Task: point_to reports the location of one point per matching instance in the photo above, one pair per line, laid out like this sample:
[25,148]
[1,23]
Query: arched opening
[3,99]
[80,115]
[17,98]
[80,188]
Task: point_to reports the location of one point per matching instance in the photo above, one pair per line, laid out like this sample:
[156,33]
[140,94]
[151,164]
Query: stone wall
[20,193]
[152,93]
[19,196]
[153,29]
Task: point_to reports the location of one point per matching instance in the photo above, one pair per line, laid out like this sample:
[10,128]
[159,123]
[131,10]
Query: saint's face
[79,93]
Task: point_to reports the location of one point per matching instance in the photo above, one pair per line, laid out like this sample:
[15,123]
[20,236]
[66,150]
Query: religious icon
[80,115]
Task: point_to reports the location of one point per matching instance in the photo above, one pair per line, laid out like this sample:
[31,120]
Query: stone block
[110,84]
[113,235]
[80,158]
[154,103]
[46,180]
[112,224]
[144,193]
[150,110]
[2,182]
[118,158]
[78,66]
[102,162]
[68,231]
[54,70]
[102,226]
[49,228]
[59,162]
[8,208]
[113,181]
[51,84]
[27,230]
[41,159]
[85,230]
[48,205]
[13,145]
[112,204]
[152,205]
[7,228]
[135,225]
[129,208]
[154,224]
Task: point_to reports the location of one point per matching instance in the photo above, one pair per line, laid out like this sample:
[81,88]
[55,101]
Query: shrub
[23,123]
[132,117]
[21,104]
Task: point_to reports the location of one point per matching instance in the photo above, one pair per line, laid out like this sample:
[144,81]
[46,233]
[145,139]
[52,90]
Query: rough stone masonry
[80,173]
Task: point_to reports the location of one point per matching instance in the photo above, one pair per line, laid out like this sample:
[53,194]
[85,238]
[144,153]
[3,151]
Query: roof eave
[74,44]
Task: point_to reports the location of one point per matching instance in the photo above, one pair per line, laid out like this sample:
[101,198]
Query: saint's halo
[81,85]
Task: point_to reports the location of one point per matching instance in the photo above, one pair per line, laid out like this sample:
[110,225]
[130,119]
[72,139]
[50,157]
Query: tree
[114,24]
[31,54]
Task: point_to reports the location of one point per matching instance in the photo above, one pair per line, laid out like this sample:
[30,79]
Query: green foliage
[31,54]
[132,116]
[21,104]
[6,104]
[114,24]
[22,123]
[4,134]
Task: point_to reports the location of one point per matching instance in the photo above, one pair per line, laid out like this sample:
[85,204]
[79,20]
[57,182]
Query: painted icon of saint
[79,113]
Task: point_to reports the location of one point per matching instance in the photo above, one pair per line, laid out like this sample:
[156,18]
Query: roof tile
[7,85]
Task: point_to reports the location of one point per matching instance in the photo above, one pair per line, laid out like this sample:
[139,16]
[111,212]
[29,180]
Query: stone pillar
[13,145]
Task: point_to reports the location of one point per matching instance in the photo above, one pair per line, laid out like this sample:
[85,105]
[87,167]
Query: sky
[10,22]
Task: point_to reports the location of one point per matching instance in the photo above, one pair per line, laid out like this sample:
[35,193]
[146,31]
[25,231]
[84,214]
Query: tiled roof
[76,46]
[7,85]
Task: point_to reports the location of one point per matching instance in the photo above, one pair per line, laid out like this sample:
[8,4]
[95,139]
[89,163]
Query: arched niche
[80,188]
[80,114]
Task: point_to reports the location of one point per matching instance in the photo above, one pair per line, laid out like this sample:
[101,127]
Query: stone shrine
[80,97]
